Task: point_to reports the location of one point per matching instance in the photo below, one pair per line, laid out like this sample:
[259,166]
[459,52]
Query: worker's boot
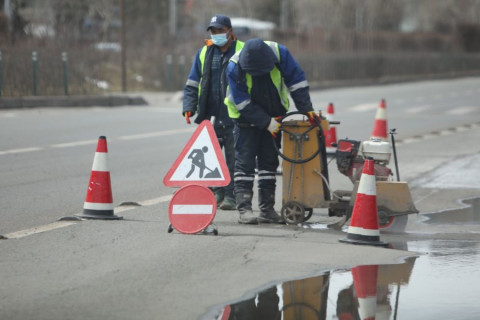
[244,207]
[228,202]
[219,195]
[266,201]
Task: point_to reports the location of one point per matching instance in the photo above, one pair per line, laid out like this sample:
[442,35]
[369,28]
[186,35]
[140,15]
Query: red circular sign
[192,208]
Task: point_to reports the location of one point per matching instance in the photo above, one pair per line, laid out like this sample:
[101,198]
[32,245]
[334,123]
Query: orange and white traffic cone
[331,133]
[380,126]
[363,227]
[365,282]
[99,201]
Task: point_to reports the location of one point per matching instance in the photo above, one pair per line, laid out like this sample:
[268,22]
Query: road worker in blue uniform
[204,94]
[260,77]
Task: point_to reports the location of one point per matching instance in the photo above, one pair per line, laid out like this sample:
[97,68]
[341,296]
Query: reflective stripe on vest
[275,75]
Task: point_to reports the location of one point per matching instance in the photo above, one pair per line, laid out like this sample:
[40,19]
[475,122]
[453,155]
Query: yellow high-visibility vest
[275,75]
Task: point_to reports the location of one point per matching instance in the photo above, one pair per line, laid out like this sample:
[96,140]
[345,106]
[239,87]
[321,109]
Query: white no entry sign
[192,208]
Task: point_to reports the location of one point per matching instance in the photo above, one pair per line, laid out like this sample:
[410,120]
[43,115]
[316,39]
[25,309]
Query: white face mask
[219,39]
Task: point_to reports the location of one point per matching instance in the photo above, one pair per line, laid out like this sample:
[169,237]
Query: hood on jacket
[257,58]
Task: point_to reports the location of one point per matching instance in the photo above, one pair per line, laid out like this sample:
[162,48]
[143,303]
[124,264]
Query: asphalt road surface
[134,269]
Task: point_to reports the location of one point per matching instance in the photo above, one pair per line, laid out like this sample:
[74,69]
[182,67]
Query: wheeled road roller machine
[306,184]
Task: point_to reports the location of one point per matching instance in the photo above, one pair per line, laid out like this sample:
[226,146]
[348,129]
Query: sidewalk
[110,100]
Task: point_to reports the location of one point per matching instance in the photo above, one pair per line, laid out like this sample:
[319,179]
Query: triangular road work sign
[201,161]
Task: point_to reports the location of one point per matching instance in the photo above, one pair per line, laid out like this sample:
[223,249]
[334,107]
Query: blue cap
[219,22]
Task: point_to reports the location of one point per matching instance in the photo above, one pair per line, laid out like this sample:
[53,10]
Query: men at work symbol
[198,160]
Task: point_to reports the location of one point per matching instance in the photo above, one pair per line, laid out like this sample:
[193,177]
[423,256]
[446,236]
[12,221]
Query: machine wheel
[293,212]
[390,223]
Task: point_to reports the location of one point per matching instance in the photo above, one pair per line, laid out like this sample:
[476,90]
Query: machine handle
[320,133]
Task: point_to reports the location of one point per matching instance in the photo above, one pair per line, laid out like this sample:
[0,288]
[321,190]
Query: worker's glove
[274,126]
[313,118]
[187,116]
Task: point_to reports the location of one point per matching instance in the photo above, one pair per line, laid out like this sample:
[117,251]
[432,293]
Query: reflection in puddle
[468,214]
[441,284]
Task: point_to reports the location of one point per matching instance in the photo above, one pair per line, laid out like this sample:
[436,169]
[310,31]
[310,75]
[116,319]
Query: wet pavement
[468,214]
[440,283]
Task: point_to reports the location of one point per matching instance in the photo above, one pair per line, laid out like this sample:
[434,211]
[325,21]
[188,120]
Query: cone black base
[371,243]
[98,214]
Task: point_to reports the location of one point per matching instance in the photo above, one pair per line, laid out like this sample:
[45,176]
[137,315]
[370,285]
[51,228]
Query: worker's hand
[187,116]
[274,127]
[313,118]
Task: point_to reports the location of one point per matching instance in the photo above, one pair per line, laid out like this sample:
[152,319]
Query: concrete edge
[71,101]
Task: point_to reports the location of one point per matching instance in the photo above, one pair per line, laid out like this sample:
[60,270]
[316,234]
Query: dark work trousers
[254,146]
[226,141]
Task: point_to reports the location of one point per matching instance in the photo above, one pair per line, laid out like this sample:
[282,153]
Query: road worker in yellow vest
[260,77]
[204,94]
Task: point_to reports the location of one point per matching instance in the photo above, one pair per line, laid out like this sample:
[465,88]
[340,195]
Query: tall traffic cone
[380,126]
[363,227]
[365,282]
[331,133]
[99,200]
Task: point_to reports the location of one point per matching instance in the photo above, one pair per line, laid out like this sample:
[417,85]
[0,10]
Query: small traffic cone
[331,133]
[365,282]
[363,227]
[380,127]
[99,200]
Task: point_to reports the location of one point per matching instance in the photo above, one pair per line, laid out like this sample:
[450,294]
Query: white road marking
[156,200]
[8,115]
[461,110]
[35,230]
[88,142]
[364,107]
[156,134]
[61,224]
[73,144]
[418,109]
[20,150]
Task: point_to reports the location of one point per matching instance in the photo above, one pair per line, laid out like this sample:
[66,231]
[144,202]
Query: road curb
[72,101]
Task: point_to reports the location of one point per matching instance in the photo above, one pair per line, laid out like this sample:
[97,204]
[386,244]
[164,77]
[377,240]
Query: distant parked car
[247,27]
[108,46]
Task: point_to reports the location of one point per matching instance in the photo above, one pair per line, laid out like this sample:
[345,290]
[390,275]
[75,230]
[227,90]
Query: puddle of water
[469,214]
[442,283]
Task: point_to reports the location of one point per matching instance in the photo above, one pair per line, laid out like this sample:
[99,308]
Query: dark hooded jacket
[263,101]
[258,59]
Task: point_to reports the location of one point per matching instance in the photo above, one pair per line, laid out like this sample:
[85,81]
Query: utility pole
[359,15]
[7,9]
[284,15]
[173,17]
[123,47]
